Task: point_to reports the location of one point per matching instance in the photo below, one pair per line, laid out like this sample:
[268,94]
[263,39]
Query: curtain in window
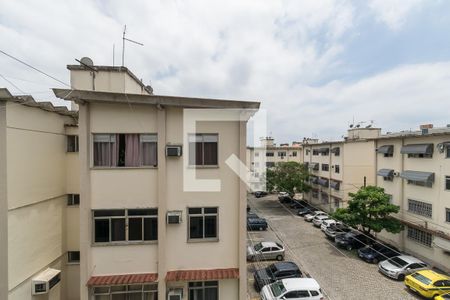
[132,150]
[211,294]
[149,154]
[102,154]
[210,150]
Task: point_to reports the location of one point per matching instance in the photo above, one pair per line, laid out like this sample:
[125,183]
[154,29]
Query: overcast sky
[314,65]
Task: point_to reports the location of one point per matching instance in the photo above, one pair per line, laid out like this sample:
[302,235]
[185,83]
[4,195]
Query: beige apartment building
[340,167]
[39,196]
[414,168]
[145,229]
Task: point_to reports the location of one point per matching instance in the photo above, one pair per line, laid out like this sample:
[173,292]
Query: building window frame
[73,257]
[447,150]
[202,287]
[119,219]
[337,169]
[447,215]
[270,154]
[203,214]
[281,154]
[427,184]
[325,167]
[420,208]
[447,183]
[143,289]
[198,155]
[420,155]
[315,152]
[72,143]
[419,236]
[73,199]
[294,153]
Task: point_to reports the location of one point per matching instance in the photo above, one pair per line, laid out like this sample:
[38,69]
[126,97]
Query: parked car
[317,220]
[284,197]
[399,266]
[336,229]
[296,204]
[327,223]
[377,252]
[310,217]
[353,240]
[305,210]
[259,194]
[443,297]
[252,215]
[256,224]
[292,288]
[265,250]
[274,272]
[248,208]
[428,283]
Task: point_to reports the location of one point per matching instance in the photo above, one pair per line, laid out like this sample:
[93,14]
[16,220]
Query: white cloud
[394,13]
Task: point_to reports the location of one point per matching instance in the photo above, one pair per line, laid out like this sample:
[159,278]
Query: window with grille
[420,236]
[337,169]
[420,208]
[73,199]
[72,143]
[325,167]
[73,256]
[204,290]
[203,149]
[203,223]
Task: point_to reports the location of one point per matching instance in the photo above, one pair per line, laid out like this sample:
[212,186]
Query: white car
[292,288]
[328,223]
[317,221]
[310,217]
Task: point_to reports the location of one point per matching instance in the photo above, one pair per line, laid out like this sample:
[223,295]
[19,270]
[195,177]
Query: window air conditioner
[396,174]
[175,150]
[176,294]
[174,217]
[45,281]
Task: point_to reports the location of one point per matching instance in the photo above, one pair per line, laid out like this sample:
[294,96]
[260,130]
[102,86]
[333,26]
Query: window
[315,194]
[388,178]
[270,164]
[421,183]
[337,169]
[336,202]
[420,155]
[256,154]
[325,152]
[73,256]
[447,215]
[336,151]
[269,154]
[203,223]
[256,164]
[135,291]
[420,208]
[203,290]
[72,143]
[73,199]
[281,154]
[203,149]
[448,152]
[307,151]
[447,183]
[125,150]
[420,236]
[294,153]
[388,154]
[325,198]
[325,167]
[120,225]
[315,152]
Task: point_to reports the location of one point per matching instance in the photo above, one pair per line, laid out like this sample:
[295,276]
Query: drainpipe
[402,191]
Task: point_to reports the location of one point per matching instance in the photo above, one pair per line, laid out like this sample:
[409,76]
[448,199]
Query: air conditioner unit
[45,281]
[174,150]
[175,294]
[174,217]
[396,174]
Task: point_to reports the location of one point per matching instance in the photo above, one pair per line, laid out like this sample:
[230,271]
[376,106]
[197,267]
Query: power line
[34,68]
[11,83]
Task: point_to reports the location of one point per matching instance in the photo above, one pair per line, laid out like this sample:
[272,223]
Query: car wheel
[349,247]
[261,228]
[401,277]
[280,257]
[375,261]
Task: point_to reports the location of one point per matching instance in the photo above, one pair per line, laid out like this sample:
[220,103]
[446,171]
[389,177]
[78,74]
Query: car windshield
[277,288]
[397,261]
[421,278]
[272,269]
[258,246]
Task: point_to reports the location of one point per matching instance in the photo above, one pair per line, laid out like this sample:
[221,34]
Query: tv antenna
[123,44]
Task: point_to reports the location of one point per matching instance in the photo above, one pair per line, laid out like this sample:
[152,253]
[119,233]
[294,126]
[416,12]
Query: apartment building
[39,194]
[340,167]
[161,213]
[414,168]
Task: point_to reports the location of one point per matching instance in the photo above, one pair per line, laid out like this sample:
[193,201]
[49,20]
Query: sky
[316,66]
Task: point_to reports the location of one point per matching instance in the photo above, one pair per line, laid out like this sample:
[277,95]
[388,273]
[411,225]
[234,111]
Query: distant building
[414,168]
[340,167]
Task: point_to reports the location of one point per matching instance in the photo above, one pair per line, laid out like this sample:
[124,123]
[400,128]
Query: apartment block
[340,167]
[414,168]
[39,196]
[161,213]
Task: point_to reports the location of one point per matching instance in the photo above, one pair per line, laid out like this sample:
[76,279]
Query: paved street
[340,273]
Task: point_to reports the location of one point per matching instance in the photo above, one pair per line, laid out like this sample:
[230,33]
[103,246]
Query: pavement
[340,273]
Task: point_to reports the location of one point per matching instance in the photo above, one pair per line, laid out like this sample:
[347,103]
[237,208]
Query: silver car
[265,250]
[398,267]
[310,217]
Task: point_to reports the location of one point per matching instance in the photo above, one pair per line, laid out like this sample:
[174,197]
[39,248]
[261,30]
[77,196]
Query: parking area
[340,273]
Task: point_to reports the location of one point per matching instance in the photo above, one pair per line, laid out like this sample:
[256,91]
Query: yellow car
[443,297]
[428,283]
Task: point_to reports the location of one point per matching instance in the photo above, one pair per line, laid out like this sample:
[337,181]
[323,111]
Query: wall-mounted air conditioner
[175,294]
[174,150]
[45,281]
[396,174]
[174,217]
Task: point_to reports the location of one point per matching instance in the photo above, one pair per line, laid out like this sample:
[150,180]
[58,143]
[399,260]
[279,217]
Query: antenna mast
[123,44]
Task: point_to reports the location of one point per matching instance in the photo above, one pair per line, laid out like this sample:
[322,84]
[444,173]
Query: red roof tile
[122,279]
[214,274]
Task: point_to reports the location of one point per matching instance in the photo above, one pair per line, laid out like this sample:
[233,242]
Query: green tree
[369,210]
[291,177]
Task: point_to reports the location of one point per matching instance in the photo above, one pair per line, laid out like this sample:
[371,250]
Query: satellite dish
[351,125]
[87,61]
[149,89]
